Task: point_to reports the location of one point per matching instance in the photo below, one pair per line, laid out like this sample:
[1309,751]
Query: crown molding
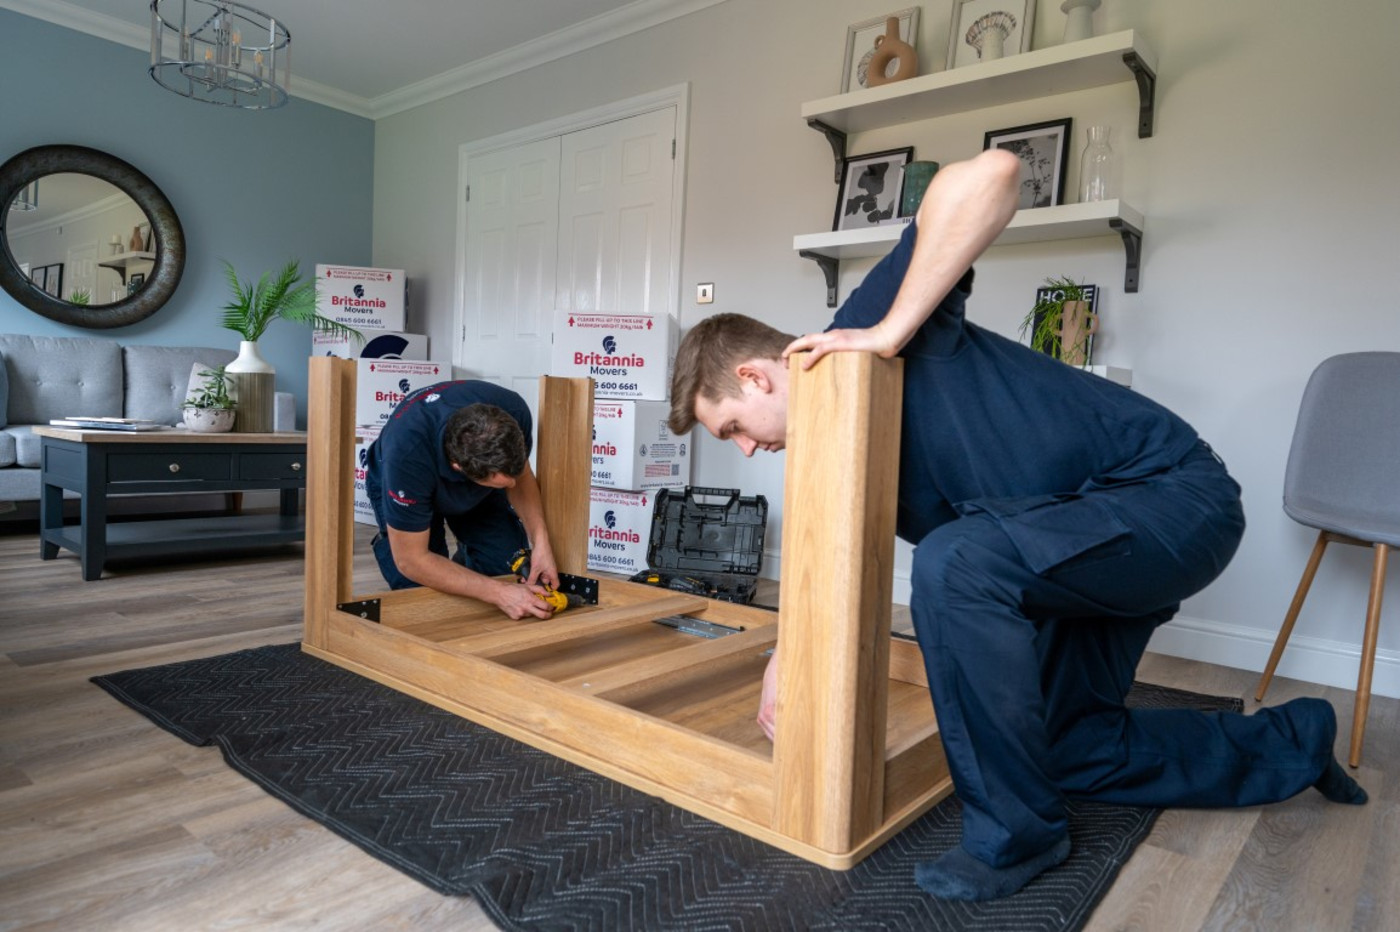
[633,18]
[624,21]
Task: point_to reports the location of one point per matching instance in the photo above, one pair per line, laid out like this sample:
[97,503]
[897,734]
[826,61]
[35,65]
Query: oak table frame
[857,754]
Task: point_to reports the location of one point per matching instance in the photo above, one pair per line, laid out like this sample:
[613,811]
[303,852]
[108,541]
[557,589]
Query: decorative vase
[890,47]
[256,380]
[917,176]
[1077,324]
[209,420]
[1079,23]
[137,243]
[1098,168]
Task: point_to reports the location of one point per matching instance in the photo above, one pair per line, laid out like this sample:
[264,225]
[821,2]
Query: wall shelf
[122,262]
[1075,66]
[1042,224]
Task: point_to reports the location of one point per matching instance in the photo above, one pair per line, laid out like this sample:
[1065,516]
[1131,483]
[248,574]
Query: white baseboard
[1313,660]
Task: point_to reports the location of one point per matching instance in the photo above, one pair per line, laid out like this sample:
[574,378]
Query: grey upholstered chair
[1343,478]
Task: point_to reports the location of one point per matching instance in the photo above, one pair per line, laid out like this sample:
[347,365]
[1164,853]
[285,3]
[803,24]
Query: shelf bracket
[1132,245]
[1147,92]
[829,267]
[838,144]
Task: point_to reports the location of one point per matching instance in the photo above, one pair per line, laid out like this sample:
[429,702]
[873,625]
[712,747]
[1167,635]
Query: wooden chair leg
[1286,630]
[1368,653]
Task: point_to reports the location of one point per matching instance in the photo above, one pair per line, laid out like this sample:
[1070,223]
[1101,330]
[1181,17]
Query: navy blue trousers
[487,537]
[1032,616]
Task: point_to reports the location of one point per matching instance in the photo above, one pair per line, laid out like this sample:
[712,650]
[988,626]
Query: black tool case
[706,541]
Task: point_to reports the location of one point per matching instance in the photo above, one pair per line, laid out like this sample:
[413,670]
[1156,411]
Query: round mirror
[87,239]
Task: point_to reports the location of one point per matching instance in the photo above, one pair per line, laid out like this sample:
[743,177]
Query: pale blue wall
[255,188]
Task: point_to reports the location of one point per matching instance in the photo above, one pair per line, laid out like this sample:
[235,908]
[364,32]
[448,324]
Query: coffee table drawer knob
[174,467]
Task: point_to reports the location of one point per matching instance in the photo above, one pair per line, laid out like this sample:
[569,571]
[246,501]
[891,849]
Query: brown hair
[482,440]
[708,356]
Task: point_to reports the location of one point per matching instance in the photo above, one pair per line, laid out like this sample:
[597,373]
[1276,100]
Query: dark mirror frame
[169,263]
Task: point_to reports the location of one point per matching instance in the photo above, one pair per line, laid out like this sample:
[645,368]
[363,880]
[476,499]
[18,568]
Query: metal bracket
[829,267]
[1147,92]
[367,609]
[1132,245]
[838,143]
[581,586]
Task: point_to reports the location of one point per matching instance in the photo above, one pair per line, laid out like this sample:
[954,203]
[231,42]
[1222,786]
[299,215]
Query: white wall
[1271,203]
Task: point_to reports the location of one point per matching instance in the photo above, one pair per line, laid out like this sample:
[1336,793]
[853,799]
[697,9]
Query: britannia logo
[404,386]
[610,519]
[434,396]
[644,449]
[609,345]
[359,291]
[388,346]
[364,456]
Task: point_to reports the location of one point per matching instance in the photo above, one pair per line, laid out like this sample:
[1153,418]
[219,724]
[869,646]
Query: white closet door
[579,222]
[511,249]
[615,206]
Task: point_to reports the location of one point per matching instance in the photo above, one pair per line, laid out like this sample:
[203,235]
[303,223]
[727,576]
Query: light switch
[705,293]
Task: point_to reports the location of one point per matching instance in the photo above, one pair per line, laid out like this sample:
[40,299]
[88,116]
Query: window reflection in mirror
[85,241]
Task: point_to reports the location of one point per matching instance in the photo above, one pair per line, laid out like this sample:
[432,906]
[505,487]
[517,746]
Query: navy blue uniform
[1058,519]
[412,487]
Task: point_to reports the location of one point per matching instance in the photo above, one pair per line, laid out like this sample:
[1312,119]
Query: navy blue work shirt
[407,465]
[992,426]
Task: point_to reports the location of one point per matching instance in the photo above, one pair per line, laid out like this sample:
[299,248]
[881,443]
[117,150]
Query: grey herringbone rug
[544,844]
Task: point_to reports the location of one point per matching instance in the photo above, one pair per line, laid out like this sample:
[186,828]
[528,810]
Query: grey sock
[958,875]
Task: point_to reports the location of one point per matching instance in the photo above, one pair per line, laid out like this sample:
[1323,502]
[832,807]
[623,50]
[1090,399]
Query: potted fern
[279,296]
[1061,323]
[210,408]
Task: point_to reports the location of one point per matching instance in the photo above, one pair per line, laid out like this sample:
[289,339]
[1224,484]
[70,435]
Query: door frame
[677,95]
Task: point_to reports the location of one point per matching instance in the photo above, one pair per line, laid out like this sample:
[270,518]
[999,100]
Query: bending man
[1058,520]
[457,453]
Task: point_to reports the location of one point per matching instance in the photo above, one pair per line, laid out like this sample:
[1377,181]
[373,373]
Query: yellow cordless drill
[582,591]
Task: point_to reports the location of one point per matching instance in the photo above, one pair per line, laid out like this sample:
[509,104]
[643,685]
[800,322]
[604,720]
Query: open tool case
[706,542]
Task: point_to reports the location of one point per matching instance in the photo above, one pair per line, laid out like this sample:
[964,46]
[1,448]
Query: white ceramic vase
[1079,23]
[257,388]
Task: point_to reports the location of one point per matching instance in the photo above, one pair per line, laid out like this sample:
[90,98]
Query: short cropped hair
[708,356]
[482,440]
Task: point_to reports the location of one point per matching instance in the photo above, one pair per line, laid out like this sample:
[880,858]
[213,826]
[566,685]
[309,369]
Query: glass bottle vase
[1098,168]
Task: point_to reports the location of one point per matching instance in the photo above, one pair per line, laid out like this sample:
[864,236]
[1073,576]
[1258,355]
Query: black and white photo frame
[870,189]
[1043,149]
[977,23]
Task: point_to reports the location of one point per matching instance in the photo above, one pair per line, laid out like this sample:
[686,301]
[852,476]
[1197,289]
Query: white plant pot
[209,420]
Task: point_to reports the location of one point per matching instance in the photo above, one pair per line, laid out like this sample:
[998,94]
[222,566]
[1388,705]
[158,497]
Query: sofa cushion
[4,391]
[27,445]
[158,378]
[54,377]
[7,448]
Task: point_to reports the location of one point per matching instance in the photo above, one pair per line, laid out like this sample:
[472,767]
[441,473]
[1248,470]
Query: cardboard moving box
[626,355]
[619,526]
[634,449]
[362,298]
[377,344]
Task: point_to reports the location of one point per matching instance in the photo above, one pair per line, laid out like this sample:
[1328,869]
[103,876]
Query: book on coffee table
[106,423]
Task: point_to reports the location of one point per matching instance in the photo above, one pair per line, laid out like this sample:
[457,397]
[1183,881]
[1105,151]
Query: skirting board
[1313,660]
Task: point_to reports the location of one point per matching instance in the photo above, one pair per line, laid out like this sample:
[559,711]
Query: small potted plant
[210,408]
[1061,324]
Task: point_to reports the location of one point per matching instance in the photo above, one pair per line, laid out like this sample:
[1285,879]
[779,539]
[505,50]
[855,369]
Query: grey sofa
[42,378]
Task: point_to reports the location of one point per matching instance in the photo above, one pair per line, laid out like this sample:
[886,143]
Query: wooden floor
[107,822]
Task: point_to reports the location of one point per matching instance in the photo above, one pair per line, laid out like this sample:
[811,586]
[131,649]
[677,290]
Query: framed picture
[1043,149]
[134,283]
[870,186]
[975,22]
[860,44]
[49,278]
[1046,293]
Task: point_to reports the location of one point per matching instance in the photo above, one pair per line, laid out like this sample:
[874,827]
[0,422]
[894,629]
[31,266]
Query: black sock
[958,875]
[1338,786]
